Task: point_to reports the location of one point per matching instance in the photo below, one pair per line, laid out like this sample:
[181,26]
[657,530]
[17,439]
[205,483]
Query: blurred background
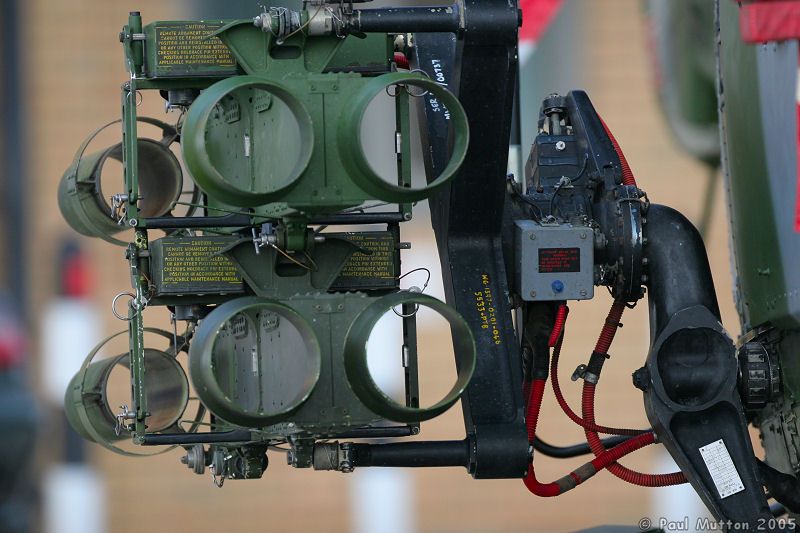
[62,69]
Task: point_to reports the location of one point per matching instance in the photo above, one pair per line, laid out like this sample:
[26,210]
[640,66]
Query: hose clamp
[581,372]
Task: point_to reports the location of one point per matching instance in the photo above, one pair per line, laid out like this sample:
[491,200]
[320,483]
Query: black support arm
[690,392]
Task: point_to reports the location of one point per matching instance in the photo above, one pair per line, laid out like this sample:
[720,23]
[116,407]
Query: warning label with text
[194,266]
[552,260]
[187,48]
[372,268]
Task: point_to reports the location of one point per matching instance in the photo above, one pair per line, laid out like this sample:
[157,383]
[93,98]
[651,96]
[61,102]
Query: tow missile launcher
[278,310]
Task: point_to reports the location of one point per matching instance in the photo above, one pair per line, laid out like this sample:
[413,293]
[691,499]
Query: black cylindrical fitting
[347,219]
[376,433]
[173,439]
[413,454]
[574,450]
[407,19]
[233,220]
[596,362]
[679,274]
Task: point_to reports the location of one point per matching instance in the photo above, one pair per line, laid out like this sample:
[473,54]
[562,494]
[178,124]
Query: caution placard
[374,268]
[193,266]
[188,49]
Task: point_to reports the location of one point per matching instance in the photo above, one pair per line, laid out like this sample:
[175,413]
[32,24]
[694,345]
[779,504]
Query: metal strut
[467,222]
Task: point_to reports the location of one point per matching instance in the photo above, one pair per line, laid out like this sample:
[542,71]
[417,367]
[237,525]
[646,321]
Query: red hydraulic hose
[401,60]
[627,173]
[573,416]
[579,475]
[626,474]
[534,406]
[603,344]
[622,472]
[607,336]
[558,325]
[610,327]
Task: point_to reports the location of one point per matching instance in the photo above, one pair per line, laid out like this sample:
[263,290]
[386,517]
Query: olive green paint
[756,244]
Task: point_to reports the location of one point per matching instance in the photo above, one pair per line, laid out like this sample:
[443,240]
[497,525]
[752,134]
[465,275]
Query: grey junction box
[554,261]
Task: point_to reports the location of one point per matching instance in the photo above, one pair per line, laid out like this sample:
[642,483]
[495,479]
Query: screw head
[561,145]
[584,292]
[533,236]
[533,294]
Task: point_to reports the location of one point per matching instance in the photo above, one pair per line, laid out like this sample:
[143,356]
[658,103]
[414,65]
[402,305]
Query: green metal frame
[332,173]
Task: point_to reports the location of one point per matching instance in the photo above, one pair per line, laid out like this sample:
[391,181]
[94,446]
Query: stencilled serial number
[484,303]
[439,77]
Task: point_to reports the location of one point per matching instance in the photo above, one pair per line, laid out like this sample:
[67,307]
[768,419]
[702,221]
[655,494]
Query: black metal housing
[691,396]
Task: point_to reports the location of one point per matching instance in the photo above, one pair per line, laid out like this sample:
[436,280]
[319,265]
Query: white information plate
[721,467]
